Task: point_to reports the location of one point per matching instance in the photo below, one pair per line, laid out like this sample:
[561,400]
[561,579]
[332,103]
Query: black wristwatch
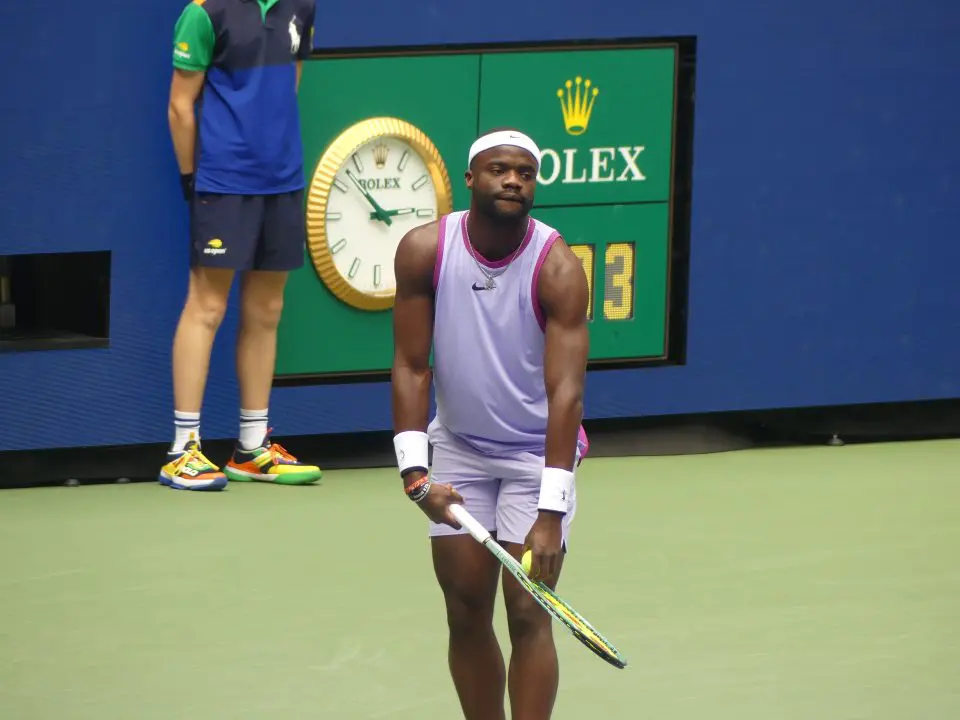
[186,184]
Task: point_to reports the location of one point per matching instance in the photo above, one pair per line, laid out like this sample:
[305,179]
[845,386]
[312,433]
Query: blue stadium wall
[826,202]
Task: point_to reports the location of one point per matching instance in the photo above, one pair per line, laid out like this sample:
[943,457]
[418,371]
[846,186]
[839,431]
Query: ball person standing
[235,127]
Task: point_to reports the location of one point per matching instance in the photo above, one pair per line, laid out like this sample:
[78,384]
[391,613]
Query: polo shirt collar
[264,4]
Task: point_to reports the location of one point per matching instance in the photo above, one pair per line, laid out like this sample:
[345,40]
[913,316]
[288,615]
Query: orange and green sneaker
[270,462]
[190,470]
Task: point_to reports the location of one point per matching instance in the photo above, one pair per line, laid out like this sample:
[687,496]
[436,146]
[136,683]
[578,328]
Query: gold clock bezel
[345,144]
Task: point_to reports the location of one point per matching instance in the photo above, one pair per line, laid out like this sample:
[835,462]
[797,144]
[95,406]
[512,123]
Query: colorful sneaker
[190,470]
[270,463]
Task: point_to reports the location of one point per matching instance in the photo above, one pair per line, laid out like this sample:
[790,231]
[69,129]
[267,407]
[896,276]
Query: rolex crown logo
[380,151]
[577,105]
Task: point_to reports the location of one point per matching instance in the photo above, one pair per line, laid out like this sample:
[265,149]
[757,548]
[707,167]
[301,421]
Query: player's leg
[534,672]
[280,250]
[468,576]
[220,245]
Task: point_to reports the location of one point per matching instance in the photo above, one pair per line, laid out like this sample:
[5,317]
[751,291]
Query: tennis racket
[547,598]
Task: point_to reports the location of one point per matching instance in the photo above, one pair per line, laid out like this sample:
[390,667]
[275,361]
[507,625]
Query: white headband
[504,137]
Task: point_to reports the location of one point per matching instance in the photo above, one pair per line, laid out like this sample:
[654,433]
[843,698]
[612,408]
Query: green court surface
[797,584]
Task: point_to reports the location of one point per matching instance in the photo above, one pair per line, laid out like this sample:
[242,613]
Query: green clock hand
[379,213]
[393,213]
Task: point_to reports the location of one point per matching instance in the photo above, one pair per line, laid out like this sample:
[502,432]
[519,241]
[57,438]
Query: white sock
[253,428]
[187,427]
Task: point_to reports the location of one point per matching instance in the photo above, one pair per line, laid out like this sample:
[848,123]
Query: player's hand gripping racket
[547,598]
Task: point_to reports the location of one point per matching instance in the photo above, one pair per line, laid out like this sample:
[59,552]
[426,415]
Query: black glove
[186,184]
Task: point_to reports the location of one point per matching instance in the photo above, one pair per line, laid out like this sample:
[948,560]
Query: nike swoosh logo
[478,287]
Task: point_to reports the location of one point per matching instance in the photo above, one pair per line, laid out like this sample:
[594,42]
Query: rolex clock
[377,180]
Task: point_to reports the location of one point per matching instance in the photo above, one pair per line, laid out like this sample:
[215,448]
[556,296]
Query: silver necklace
[490,282]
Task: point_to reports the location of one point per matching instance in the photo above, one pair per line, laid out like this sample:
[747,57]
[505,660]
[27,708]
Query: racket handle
[470,523]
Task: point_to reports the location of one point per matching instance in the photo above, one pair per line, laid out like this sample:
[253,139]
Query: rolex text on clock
[380,178]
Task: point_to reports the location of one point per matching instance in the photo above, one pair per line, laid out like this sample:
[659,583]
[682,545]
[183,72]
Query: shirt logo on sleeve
[182,50]
[294,35]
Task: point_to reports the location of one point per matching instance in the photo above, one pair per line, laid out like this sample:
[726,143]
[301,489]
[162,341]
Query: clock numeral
[420,182]
[403,160]
[334,216]
[340,245]
[376,276]
[339,185]
[425,213]
[357,164]
[354,267]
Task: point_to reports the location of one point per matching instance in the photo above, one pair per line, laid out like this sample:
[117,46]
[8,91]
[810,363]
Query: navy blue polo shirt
[248,136]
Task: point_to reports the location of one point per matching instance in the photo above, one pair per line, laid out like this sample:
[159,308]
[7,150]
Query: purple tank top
[488,343]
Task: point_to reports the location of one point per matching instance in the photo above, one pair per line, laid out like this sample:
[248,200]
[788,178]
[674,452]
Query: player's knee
[468,611]
[525,617]
[467,575]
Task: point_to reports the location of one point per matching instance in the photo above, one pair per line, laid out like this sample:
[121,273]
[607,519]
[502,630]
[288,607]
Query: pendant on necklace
[490,283]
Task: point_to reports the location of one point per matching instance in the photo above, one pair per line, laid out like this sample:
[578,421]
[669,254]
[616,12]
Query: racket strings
[578,626]
[583,630]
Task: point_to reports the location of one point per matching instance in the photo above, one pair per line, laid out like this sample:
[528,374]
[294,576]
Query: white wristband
[412,449]
[556,489]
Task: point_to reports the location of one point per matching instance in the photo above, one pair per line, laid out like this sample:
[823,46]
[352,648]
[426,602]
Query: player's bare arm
[413,328]
[563,295]
[411,374]
[185,87]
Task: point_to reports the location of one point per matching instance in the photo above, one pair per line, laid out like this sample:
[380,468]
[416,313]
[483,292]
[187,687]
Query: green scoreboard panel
[605,119]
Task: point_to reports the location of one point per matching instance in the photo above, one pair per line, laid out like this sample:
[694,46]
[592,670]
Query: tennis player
[502,301]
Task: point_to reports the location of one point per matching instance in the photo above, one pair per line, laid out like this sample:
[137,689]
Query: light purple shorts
[500,492]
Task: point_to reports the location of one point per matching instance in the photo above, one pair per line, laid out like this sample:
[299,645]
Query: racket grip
[469,522]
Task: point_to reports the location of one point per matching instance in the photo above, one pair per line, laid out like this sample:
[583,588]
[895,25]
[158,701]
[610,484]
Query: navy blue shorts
[248,232]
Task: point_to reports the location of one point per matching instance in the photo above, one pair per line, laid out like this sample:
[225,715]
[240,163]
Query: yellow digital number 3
[618,284]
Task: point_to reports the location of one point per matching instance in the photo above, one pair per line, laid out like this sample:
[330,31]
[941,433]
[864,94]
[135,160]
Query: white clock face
[379,193]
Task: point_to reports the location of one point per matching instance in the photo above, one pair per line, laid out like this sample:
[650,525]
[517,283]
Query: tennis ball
[526,561]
